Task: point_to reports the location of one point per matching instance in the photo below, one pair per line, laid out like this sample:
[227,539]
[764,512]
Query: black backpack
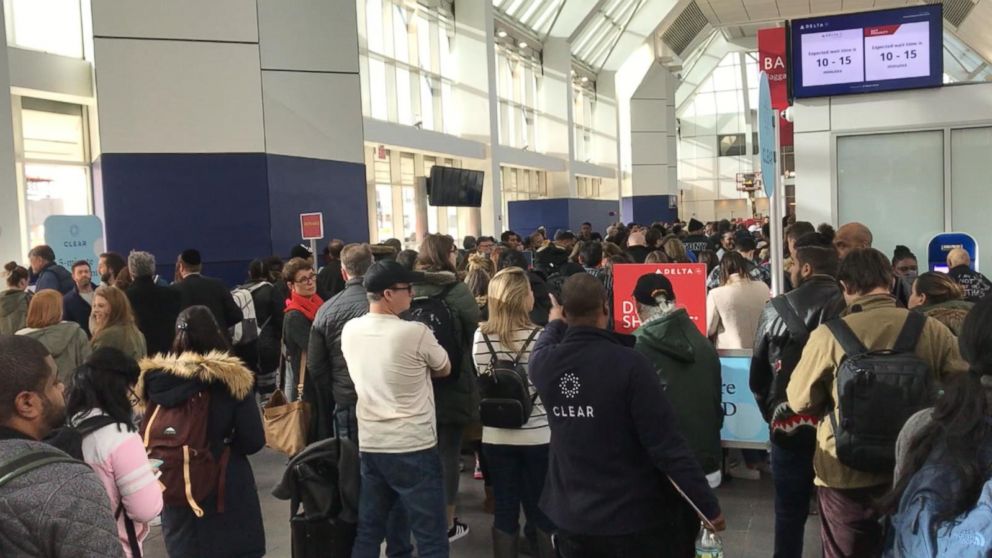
[435,313]
[787,429]
[506,401]
[877,393]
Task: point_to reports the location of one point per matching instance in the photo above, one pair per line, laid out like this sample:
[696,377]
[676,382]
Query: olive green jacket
[127,339]
[812,389]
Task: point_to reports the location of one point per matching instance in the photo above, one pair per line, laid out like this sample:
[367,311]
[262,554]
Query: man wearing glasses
[391,362]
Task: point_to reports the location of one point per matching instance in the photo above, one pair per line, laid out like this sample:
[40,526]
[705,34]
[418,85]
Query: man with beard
[781,336]
[54,506]
[110,264]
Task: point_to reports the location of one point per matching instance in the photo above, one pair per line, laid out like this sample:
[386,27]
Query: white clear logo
[570,385]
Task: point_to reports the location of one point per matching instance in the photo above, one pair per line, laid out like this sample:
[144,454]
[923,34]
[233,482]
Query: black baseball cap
[386,273]
[650,285]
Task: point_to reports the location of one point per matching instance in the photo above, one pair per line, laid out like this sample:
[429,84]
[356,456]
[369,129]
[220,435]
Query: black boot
[545,547]
[505,545]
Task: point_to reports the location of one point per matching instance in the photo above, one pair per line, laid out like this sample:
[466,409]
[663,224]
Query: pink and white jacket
[120,460]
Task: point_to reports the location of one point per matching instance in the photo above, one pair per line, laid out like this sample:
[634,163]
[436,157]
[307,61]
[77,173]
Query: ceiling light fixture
[585,79]
[501,34]
[522,44]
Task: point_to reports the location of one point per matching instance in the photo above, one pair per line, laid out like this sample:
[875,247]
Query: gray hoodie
[13,310]
[66,341]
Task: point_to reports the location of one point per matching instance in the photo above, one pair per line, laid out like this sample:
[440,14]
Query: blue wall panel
[645,210]
[600,213]
[303,185]
[165,203]
[527,215]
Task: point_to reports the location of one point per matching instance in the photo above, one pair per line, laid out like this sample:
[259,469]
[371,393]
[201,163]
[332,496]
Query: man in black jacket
[976,286]
[329,280]
[781,336]
[333,388]
[155,308]
[613,439]
[696,242]
[551,258]
[195,289]
[77,305]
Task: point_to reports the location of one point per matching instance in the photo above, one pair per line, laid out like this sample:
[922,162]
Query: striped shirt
[536,430]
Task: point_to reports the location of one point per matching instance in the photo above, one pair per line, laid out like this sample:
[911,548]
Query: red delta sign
[312,226]
[688,281]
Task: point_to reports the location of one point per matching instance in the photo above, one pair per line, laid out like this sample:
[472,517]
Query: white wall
[819,122]
[216,20]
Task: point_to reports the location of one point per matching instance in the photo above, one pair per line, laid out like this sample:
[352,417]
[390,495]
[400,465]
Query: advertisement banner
[743,425]
[74,238]
[943,243]
[688,281]
[312,226]
[773,60]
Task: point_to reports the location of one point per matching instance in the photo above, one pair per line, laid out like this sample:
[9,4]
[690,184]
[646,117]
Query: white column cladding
[478,101]
[311,89]
[12,241]
[559,126]
[653,134]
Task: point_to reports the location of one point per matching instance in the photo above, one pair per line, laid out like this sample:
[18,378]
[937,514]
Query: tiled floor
[747,505]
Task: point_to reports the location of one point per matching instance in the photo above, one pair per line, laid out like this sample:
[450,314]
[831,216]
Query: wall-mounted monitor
[867,52]
[449,186]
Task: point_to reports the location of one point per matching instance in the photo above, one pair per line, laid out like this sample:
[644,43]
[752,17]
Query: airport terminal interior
[214,134]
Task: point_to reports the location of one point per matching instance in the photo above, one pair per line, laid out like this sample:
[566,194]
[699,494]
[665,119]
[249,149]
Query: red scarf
[307,306]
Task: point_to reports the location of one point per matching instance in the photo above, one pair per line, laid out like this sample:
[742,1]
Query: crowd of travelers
[138,400]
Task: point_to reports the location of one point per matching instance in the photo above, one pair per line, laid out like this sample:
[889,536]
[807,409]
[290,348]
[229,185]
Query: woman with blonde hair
[112,323]
[477,277]
[675,249]
[66,341]
[517,458]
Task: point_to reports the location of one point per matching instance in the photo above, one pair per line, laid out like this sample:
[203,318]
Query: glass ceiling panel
[597,38]
[536,16]
[961,63]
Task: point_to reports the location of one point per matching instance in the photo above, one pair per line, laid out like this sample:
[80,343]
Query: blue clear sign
[742,421]
[766,136]
[943,243]
[74,238]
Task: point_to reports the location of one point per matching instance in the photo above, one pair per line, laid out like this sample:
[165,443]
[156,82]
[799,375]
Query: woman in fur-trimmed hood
[200,361]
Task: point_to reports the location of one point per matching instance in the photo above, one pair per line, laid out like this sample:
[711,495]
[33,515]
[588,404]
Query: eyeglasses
[307,279]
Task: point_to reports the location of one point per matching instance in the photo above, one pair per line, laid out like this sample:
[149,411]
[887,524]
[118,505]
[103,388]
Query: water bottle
[708,544]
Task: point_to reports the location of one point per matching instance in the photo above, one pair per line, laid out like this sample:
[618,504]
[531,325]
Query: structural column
[654,163]
[220,122]
[11,217]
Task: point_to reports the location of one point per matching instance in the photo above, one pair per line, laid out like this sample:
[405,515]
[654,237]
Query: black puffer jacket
[776,354]
[328,370]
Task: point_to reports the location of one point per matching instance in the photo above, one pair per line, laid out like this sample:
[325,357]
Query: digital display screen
[868,52]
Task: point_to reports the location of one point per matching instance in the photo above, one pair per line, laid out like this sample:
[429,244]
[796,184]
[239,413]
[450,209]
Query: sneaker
[457,531]
[741,471]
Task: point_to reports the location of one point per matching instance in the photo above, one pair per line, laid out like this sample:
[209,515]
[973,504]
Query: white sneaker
[742,471]
[457,531]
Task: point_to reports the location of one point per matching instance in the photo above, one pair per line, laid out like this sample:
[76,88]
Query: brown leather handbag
[286,423]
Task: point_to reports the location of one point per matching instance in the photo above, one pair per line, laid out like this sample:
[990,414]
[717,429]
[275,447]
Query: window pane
[53,135]
[424,43]
[53,26]
[384,210]
[377,86]
[409,215]
[54,190]
[401,46]
[453,221]
[373,19]
[969,183]
[404,97]
[426,103]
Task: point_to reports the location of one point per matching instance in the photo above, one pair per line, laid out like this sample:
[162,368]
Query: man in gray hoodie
[54,506]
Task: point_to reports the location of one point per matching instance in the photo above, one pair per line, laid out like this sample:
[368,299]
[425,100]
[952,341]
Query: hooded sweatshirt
[689,369]
[67,343]
[13,310]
